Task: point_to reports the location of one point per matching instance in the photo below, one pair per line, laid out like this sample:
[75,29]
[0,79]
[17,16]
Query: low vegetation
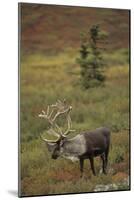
[44,79]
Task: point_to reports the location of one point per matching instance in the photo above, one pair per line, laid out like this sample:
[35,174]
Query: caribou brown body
[86,145]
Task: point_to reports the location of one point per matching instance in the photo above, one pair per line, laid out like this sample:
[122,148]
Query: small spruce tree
[91,60]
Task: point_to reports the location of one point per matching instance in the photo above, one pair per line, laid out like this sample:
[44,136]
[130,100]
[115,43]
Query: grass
[44,79]
[40,27]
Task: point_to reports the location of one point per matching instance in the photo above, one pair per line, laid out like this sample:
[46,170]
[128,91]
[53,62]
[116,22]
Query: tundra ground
[43,80]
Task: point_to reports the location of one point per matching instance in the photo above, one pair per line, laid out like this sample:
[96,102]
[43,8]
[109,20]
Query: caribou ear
[51,146]
[62,141]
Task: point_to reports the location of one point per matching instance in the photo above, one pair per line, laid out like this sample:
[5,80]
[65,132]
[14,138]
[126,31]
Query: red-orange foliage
[120,176]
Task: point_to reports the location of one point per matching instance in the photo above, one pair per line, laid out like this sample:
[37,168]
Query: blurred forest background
[49,47]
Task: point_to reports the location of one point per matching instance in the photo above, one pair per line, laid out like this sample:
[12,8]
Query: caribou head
[51,114]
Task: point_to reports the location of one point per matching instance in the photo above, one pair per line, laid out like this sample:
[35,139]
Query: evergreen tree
[91,60]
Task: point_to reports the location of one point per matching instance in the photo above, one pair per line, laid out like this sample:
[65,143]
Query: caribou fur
[83,146]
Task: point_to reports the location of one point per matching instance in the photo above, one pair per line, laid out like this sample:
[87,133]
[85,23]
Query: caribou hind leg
[106,158]
[103,157]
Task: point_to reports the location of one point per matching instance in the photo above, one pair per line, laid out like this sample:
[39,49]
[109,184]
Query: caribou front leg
[81,166]
[92,165]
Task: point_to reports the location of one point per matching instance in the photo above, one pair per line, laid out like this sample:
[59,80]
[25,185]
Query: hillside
[50,38]
[43,81]
[53,28]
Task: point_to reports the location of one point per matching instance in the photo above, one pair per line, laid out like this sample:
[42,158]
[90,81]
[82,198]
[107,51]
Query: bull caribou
[86,145]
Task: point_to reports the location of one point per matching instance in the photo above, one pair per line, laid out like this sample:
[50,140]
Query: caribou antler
[69,123]
[54,111]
